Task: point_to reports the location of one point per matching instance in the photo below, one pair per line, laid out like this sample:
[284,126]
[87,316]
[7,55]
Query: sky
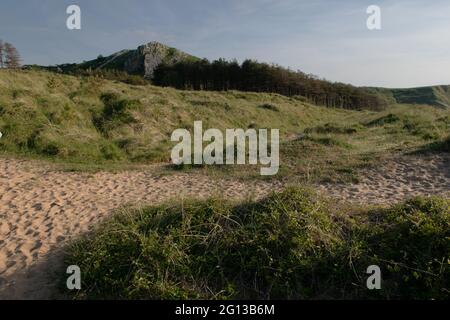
[327,38]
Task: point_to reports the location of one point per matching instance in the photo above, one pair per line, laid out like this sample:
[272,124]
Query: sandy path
[397,179]
[41,209]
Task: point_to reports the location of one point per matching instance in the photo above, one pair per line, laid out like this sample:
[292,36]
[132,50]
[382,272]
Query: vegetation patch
[438,146]
[268,106]
[330,141]
[330,128]
[422,129]
[116,112]
[291,245]
[222,75]
[89,119]
[388,119]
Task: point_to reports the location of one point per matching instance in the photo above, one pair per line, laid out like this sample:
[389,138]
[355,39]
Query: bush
[291,245]
[328,141]
[114,75]
[417,128]
[390,118]
[412,241]
[116,112]
[438,146]
[331,128]
[268,106]
[110,151]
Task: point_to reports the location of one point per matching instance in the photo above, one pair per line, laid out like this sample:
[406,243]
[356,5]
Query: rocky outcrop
[142,61]
[153,54]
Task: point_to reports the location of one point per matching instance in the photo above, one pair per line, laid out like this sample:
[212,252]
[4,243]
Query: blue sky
[327,38]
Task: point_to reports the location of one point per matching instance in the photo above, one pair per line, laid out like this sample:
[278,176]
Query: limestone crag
[144,60]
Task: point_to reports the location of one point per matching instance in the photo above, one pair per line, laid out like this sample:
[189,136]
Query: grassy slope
[443,94]
[434,95]
[60,109]
[63,118]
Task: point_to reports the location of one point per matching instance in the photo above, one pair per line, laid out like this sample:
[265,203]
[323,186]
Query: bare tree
[12,56]
[2,47]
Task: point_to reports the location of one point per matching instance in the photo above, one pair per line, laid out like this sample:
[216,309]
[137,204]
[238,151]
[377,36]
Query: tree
[222,75]
[2,48]
[12,56]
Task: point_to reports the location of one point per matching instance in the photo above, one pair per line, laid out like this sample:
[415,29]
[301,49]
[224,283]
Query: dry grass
[64,119]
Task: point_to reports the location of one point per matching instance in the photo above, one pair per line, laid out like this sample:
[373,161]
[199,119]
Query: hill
[434,95]
[68,119]
[166,66]
[141,61]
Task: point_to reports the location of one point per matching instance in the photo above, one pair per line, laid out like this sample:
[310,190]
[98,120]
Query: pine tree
[222,75]
[12,56]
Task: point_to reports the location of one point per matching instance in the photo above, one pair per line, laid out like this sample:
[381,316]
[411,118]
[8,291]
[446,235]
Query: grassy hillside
[434,96]
[90,121]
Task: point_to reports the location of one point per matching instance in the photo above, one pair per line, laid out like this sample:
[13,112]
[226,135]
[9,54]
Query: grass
[291,245]
[269,106]
[437,147]
[84,123]
[436,95]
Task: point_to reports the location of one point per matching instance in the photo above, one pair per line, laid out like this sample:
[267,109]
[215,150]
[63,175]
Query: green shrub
[205,249]
[436,146]
[390,118]
[134,80]
[412,241]
[332,129]
[268,106]
[328,141]
[50,149]
[115,75]
[116,112]
[418,128]
[110,152]
[291,245]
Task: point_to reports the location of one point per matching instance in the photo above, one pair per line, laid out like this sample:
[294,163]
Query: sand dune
[41,209]
[397,179]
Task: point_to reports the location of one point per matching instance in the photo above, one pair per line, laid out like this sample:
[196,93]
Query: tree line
[109,74]
[223,75]
[9,56]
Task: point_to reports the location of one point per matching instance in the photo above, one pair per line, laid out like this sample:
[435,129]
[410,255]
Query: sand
[42,209]
[397,179]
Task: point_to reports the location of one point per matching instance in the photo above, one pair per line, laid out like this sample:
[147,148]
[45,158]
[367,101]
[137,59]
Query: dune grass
[442,146]
[290,245]
[88,123]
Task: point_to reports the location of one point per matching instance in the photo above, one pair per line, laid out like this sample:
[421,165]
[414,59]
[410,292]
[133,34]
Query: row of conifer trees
[223,75]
